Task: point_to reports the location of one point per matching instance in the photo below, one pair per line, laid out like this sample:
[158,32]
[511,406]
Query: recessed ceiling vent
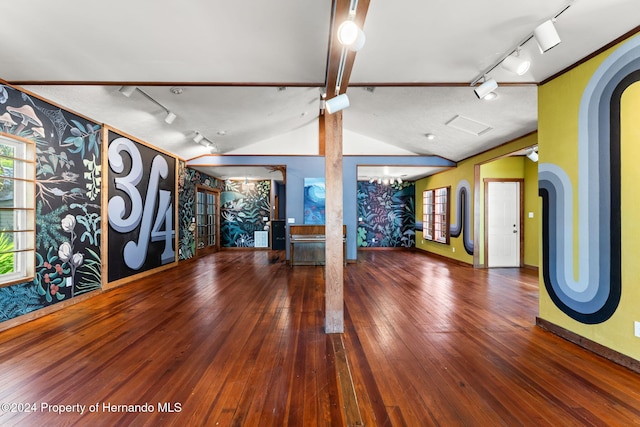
[468,125]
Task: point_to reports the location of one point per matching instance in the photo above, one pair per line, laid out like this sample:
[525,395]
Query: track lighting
[337,103]
[198,137]
[532,155]
[385,180]
[546,36]
[486,88]
[516,65]
[352,38]
[129,90]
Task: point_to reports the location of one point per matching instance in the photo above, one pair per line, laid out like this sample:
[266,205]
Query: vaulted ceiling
[248,75]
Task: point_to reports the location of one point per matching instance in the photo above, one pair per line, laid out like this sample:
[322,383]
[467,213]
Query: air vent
[468,125]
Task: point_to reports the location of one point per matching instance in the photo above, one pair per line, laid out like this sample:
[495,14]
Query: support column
[334,256]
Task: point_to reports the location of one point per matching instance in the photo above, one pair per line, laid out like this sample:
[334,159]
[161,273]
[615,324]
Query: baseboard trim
[441,257]
[36,314]
[381,248]
[592,346]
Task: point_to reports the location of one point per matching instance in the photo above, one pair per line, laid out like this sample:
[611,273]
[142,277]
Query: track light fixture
[532,154]
[337,103]
[516,64]
[199,138]
[350,36]
[170,117]
[486,88]
[546,36]
[129,90]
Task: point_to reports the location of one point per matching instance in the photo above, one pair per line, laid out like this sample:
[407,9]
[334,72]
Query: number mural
[140,207]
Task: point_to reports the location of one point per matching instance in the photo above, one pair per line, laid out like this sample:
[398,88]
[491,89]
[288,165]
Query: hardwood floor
[236,339]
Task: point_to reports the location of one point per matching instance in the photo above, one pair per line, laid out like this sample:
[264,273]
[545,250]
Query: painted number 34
[142,214]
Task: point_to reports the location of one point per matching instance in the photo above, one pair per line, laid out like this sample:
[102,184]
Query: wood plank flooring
[236,339]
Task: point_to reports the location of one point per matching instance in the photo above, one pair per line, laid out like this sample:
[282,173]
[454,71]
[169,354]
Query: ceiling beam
[341,14]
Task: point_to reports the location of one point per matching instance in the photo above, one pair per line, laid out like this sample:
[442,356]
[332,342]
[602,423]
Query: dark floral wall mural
[188,179]
[243,207]
[68,215]
[386,214]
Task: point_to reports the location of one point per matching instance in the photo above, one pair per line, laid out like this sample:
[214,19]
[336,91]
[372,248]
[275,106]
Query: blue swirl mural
[462,216]
[595,296]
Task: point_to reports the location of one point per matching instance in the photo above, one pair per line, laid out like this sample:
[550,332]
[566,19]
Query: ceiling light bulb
[490,96]
[516,64]
[430,136]
[347,33]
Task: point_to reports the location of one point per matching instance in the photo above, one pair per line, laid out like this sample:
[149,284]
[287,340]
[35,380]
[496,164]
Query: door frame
[214,248]
[520,217]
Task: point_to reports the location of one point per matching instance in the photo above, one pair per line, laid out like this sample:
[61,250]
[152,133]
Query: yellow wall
[465,170]
[559,102]
[531,207]
[450,178]
[516,167]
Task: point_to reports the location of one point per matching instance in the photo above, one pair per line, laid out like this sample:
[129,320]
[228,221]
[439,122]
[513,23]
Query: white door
[503,224]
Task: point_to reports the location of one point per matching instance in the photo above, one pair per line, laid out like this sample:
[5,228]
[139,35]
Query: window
[435,214]
[17,213]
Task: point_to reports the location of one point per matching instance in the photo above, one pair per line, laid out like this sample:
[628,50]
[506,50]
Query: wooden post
[334,257]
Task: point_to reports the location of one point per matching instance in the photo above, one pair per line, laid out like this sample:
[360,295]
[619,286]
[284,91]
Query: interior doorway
[207,224]
[503,222]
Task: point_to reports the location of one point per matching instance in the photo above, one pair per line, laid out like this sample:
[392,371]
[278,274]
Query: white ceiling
[251,72]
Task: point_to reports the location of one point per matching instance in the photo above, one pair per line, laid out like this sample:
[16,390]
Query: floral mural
[188,179]
[386,214]
[243,207]
[68,215]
